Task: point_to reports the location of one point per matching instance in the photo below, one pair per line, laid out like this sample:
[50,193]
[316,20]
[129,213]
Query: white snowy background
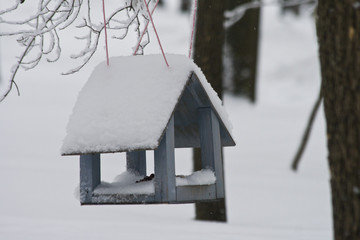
[265,199]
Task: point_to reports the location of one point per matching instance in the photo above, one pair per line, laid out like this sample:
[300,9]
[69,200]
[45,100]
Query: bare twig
[14,71]
[305,138]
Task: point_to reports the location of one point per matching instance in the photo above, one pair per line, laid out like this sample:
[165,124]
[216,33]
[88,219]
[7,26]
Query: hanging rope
[145,29]
[157,36]
[193,27]
[106,43]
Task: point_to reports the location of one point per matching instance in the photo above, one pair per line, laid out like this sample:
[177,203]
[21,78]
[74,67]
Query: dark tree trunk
[242,40]
[209,39]
[185,5]
[338,28]
[295,9]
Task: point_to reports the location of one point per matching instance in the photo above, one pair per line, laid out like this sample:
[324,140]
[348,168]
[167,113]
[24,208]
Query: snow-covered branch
[234,15]
[39,36]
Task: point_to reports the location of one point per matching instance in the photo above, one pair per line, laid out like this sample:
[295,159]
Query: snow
[126,183]
[129,183]
[202,177]
[127,105]
[265,199]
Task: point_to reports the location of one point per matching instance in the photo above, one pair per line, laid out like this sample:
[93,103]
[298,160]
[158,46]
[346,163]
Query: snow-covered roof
[127,105]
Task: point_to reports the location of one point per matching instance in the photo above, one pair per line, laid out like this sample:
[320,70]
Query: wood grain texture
[338,29]
[164,158]
[211,147]
[89,176]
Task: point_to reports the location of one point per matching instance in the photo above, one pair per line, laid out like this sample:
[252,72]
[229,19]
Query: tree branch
[40,37]
[305,138]
[233,16]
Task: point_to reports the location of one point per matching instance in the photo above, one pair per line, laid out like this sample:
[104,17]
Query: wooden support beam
[164,157]
[89,176]
[136,162]
[196,193]
[210,142]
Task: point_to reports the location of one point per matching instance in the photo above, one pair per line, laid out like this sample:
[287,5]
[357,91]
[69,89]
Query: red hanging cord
[193,28]
[106,43]
[145,29]
[157,36]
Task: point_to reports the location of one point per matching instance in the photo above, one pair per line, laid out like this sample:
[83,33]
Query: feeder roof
[126,106]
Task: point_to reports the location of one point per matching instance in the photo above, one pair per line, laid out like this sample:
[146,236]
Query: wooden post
[136,162]
[210,144]
[164,157]
[89,176]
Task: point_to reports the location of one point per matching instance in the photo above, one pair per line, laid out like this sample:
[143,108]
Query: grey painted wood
[196,193]
[184,194]
[89,176]
[136,162]
[123,199]
[211,156]
[186,124]
[193,97]
[203,99]
[164,158]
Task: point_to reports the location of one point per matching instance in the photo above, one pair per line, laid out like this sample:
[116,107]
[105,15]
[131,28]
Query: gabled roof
[128,105]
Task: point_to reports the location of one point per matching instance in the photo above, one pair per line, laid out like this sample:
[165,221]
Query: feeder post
[89,176]
[164,157]
[210,143]
[136,162]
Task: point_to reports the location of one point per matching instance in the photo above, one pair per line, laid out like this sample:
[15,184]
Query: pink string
[157,36]
[106,43]
[145,29]
[193,28]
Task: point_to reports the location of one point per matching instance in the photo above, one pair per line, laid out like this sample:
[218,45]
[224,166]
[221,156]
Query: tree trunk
[185,5]
[209,40]
[241,49]
[338,30]
[295,9]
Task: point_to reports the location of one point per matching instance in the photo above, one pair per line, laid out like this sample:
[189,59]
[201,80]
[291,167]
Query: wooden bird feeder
[123,109]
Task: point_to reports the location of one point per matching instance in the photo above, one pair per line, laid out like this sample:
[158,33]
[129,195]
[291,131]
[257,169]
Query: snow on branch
[38,34]
[233,16]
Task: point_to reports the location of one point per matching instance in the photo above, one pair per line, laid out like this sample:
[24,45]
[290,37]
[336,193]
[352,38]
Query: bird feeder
[137,104]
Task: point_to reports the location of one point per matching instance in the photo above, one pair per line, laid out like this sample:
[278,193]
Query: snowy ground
[265,200]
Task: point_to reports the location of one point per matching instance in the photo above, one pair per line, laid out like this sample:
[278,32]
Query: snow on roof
[127,105]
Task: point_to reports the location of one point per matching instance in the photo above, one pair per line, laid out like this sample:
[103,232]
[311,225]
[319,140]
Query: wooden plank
[89,176]
[136,162]
[186,124]
[195,193]
[201,99]
[211,155]
[184,194]
[164,157]
[193,97]
[123,199]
